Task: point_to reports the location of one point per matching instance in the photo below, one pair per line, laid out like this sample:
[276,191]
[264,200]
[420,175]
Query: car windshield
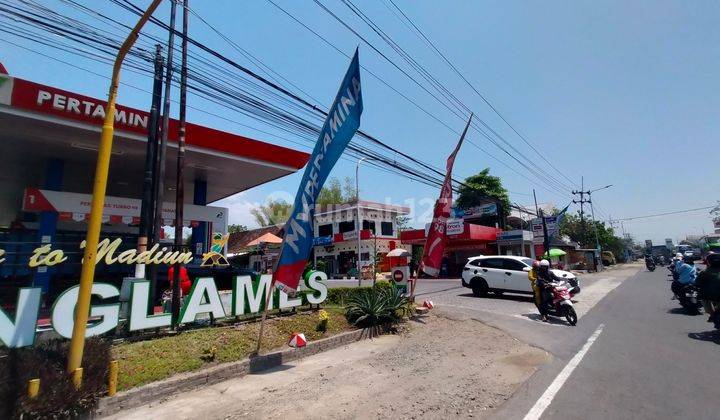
[527,261]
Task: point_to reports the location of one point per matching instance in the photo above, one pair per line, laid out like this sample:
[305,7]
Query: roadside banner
[437,236]
[340,126]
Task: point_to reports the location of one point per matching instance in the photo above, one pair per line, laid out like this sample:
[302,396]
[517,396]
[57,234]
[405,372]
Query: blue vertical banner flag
[340,126]
[556,226]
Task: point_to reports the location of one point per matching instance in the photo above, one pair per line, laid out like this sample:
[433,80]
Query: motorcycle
[650,264]
[562,305]
[687,296]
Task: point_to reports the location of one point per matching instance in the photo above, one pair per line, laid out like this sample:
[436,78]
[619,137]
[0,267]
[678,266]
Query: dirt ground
[439,368]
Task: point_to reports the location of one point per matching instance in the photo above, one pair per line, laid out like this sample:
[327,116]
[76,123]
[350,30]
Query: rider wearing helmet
[678,260]
[544,277]
[708,283]
[686,275]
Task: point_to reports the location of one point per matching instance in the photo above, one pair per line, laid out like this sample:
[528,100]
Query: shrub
[339,295]
[376,306]
[323,318]
[57,397]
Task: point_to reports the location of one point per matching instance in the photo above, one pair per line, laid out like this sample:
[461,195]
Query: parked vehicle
[562,305]
[608,258]
[506,273]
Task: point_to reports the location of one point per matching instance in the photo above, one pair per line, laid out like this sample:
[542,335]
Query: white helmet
[544,263]
[679,255]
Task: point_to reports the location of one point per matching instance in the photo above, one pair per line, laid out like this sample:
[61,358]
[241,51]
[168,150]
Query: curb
[189,381]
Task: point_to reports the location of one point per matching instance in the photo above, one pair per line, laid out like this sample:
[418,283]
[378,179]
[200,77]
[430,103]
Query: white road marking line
[547,397]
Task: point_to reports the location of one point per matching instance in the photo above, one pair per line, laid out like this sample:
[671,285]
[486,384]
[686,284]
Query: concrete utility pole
[147,208]
[582,201]
[180,177]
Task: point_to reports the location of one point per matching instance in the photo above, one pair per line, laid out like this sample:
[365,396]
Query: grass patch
[148,361]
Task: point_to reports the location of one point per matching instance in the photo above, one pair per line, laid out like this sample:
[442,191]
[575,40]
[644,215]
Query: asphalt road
[650,361]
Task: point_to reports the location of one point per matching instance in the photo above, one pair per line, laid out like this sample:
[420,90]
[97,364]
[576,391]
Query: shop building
[465,240]
[336,234]
[49,139]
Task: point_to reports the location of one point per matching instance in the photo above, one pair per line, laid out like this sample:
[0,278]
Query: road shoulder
[440,367]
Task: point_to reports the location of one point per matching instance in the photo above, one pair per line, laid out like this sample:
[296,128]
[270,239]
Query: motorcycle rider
[708,283]
[649,261]
[687,273]
[544,277]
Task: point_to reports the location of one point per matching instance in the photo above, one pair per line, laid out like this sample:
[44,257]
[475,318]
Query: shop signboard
[75,206]
[514,237]
[323,240]
[455,226]
[479,211]
[537,229]
[248,296]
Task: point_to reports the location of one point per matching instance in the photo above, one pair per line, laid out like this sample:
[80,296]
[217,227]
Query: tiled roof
[238,241]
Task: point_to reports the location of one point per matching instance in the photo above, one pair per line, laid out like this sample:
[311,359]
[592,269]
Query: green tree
[480,186]
[237,228]
[402,223]
[272,213]
[584,234]
[337,193]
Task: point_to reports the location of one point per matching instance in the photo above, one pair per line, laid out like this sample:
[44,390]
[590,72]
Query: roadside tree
[272,213]
[477,188]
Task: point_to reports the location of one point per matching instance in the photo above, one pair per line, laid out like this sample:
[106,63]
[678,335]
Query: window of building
[325,230]
[365,256]
[369,225]
[386,228]
[348,226]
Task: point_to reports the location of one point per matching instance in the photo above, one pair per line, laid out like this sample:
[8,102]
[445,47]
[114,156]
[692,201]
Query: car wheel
[479,287]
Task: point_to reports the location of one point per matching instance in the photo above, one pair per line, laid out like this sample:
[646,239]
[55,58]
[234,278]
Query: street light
[601,188]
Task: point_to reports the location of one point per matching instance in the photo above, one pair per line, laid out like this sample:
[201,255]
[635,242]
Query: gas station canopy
[39,123]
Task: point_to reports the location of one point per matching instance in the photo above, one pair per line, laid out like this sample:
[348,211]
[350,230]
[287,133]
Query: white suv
[505,273]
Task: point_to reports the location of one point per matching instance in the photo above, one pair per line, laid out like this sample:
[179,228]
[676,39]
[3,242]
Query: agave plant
[375,307]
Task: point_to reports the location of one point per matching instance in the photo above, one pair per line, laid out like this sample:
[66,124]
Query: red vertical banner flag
[437,236]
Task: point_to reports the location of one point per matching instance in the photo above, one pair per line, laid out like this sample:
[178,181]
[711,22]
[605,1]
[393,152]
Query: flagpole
[264,316]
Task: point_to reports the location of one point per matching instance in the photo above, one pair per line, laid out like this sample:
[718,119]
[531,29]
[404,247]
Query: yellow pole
[82,310]
[77,378]
[112,378]
[33,388]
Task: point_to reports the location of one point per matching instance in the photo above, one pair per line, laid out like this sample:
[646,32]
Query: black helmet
[688,259]
[713,259]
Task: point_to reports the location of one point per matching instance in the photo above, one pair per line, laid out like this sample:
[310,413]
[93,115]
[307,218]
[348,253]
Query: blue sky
[624,93]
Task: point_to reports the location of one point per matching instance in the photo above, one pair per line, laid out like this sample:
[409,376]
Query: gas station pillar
[48,220]
[199,233]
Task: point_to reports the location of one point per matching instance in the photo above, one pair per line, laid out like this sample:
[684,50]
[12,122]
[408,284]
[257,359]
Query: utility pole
[160,173]
[180,178]
[147,207]
[546,239]
[582,202]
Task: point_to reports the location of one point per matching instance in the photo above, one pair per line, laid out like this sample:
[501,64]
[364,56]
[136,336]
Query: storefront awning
[471,235]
